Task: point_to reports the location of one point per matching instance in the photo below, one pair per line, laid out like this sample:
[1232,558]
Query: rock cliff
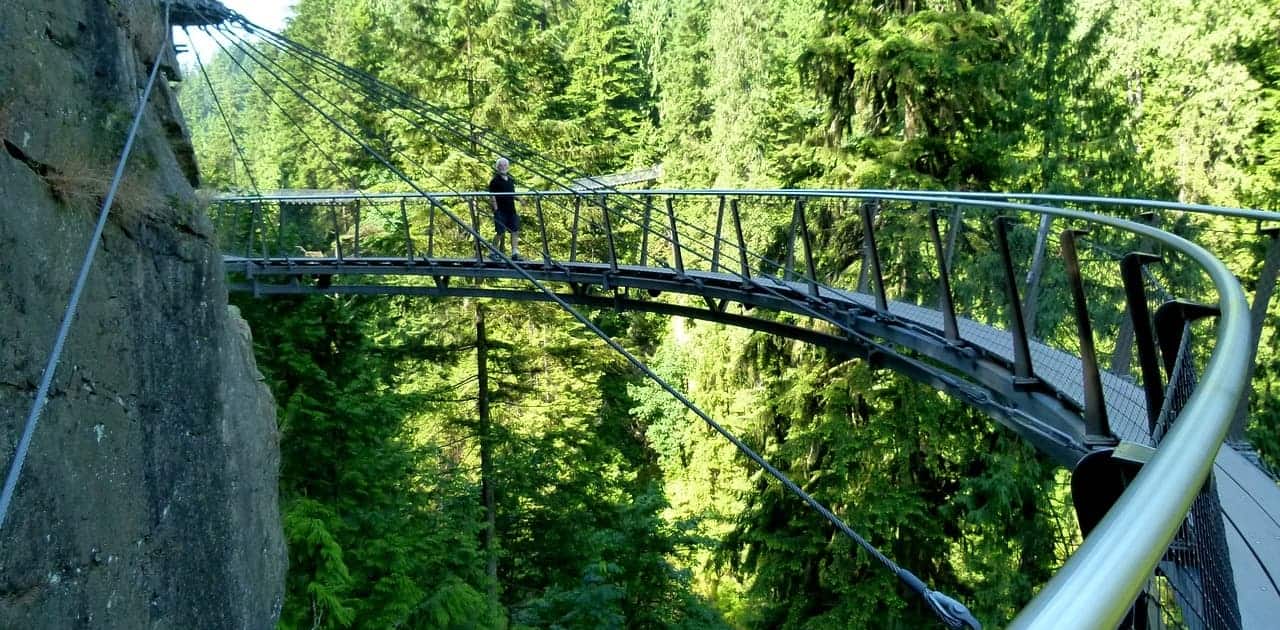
[149,496]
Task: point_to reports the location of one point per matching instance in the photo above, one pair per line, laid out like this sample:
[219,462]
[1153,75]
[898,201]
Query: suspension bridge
[1207,540]
[1134,393]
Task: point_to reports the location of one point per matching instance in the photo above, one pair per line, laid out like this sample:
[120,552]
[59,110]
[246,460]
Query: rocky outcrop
[149,496]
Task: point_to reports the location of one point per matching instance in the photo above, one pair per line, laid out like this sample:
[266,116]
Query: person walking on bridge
[504,206]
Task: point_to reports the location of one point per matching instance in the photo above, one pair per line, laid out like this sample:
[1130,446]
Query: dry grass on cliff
[84,185]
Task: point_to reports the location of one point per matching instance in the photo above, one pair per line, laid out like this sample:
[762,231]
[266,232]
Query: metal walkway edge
[1250,499]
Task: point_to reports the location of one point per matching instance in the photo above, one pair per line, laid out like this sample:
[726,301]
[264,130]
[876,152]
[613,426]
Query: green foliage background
[615,507]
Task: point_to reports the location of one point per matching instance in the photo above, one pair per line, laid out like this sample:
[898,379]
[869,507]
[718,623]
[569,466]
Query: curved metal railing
[708,232]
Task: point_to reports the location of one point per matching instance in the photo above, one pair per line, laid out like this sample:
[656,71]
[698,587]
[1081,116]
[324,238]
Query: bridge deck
[1250,499]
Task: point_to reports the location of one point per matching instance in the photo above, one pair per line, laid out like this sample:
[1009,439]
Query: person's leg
[515,244]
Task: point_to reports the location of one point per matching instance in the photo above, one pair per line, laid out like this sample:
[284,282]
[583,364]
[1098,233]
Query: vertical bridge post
[337,230]
[608,231]
[799,220]
[408,237]
[715,245]
[1140,315]
[873,255]
[253,225]
[1122,358]
[677,255]
[1023,373]
[431,229]
[280,248]
[1258,313]
[356,243]
[542,227]
[742,244]
[573,232]
[1097,432]
[475,225]
[950,328]
[644,231]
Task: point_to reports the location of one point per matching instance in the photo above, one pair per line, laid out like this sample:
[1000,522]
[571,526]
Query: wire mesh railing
[885,251]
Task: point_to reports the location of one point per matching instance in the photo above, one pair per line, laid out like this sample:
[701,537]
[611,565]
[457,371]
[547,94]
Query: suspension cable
[339,170]
[223,114]
[386,89]
[951,612]
[46,379]
[390,95]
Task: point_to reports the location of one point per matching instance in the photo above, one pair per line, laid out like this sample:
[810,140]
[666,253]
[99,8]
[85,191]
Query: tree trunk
[486,456]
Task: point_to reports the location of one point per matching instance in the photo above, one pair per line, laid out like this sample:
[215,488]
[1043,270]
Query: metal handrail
[966,198]
[1099,582]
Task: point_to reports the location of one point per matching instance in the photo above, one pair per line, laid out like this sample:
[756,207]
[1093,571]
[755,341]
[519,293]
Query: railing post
[957,224]
[262,236]
[408,238]
[1257,314]
[542,227]
[1171,320]
[677,255]
[475,225]
[356,244]
[950,328]
[742,244]
[1135,292]
[253,225]
[337,231]
[873,256]
[280,230]
[1202,537]
[1023,373]
[644,231]
[1037,270]
[573,233]
[431,229]
[789,270]
[1123,355]
[608,231]
[715,245]
[1097,431]
[808,248]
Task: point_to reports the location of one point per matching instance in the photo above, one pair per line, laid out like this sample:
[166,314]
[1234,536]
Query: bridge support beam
[873,255]
[1136,295]
[1097,430]
[715,245]
[676,254]
[408,238]
[573,232]
[808,249]
[1261,299]
[644,231]
[542,228]
[950,328]
[742,243]
[1123,355]
[608,232]
[1023,373]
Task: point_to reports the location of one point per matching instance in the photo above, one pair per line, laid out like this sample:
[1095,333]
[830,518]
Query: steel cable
[949,611]
[46,379]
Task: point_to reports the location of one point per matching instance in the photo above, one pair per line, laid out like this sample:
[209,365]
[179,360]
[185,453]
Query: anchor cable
[46,379]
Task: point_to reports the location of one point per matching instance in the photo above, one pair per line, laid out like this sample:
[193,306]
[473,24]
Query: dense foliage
[614,507]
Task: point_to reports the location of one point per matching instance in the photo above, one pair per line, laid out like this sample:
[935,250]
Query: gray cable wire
[948,610]
[248,171]
[37,407]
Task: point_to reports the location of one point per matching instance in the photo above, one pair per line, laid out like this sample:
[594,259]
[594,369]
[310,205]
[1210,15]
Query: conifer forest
[584,496]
